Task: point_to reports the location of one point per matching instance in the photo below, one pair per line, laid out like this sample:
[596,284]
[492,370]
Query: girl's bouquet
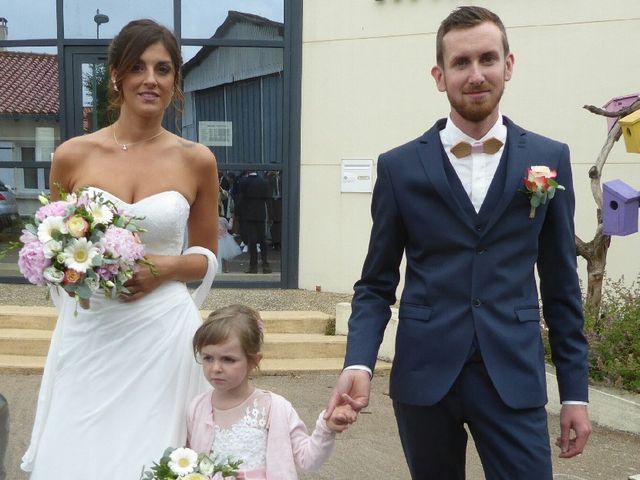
[186,464]
[83,243]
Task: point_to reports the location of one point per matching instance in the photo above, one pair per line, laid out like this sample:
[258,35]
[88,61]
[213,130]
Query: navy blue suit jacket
[471,276]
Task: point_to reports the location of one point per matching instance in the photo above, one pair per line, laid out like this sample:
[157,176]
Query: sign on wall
[215,134]
[357,176]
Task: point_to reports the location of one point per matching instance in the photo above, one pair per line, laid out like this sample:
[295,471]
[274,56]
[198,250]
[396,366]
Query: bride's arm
[203,231]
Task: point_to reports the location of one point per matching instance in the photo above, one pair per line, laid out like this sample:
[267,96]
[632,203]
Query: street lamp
[99,18]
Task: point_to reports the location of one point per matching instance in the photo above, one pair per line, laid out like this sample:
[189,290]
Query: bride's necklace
[125,146]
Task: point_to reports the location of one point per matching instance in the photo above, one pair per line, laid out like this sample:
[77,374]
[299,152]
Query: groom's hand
[352,388]
[576,418]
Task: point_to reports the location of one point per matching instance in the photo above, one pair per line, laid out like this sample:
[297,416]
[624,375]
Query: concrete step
[294,341]
[44,318]
[303,345]
[25,364]
[37,318]
[293,366]
[23,341]
[276,345]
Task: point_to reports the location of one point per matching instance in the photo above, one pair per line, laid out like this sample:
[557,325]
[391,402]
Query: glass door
[86,89]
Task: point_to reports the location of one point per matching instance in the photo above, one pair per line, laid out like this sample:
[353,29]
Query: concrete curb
[617,410]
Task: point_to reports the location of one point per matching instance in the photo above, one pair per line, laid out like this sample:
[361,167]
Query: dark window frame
[292,45]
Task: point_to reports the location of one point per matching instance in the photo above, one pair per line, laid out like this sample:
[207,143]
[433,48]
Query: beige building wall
[366,88]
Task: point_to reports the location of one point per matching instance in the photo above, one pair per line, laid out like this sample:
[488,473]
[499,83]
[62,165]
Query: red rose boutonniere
[540,186]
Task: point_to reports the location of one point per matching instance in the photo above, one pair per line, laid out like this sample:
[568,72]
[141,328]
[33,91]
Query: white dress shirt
[475,171]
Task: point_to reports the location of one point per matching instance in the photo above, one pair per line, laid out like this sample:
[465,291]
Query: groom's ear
[438,76]
[508,66]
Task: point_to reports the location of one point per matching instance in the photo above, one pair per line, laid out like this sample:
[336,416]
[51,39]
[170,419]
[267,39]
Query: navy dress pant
[512,444]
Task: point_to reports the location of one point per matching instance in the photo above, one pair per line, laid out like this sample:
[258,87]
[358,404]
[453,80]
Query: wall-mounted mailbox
[618,103]
[630,126]
[620,208]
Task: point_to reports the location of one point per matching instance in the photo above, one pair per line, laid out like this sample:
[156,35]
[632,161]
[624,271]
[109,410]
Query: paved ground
[370,449]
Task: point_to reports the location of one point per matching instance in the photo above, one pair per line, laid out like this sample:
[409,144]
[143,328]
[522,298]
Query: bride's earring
[115,85]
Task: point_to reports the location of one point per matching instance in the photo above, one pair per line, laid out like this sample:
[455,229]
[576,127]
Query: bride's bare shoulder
[195,153]
[80,148]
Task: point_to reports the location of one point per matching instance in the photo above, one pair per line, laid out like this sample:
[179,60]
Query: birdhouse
[620,208]
[618,103]
[630,126]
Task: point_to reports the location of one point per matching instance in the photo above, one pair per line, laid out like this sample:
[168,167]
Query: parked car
[8,207]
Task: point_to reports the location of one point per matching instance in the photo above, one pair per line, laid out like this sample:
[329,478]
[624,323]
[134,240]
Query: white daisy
[79,254]
[100,213]
[49,226]
[183,461]
[194,476]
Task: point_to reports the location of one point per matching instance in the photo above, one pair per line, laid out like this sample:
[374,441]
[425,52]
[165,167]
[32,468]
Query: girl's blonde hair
[234,320]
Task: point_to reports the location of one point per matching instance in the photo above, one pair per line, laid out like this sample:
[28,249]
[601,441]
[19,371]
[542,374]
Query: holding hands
[341,417]
[350,395]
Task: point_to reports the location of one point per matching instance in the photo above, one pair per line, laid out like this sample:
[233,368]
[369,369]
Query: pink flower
[31,259]
[540,186]
[83,200]
[108,271]
[121,243]
[28,237]
[55,209]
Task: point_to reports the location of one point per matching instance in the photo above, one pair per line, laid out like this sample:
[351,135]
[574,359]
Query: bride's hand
[148,277]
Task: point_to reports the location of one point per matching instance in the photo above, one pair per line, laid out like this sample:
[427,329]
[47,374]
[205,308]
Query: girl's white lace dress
[240,433]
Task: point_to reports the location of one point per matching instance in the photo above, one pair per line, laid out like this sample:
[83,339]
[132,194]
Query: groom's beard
[476,111]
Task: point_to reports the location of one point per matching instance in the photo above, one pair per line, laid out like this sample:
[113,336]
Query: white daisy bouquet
[186,464]
[82,243]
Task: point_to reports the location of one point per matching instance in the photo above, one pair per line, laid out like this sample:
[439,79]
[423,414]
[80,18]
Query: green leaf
[535,201]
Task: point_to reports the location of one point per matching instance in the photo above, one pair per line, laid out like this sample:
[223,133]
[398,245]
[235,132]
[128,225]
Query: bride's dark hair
[125,51]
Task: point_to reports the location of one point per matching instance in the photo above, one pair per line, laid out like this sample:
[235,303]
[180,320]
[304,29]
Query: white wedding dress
[119,376]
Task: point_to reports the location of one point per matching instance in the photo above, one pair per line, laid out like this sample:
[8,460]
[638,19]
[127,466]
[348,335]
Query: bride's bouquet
[186,464]
[82,243]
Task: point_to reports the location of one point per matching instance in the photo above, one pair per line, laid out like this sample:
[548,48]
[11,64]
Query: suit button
[479,228]
[477,302]
[481,250]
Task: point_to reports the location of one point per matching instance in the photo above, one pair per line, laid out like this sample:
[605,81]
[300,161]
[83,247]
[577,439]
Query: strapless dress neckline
[149,197]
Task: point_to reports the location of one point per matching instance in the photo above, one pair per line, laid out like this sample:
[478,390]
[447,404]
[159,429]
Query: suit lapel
[430,153]
[517,159]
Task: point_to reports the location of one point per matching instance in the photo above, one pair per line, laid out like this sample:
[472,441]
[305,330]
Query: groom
[468,346]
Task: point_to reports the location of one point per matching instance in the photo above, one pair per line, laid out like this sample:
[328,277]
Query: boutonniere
[540,186]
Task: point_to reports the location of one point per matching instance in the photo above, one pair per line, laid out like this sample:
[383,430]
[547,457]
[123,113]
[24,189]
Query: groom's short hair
[467,17]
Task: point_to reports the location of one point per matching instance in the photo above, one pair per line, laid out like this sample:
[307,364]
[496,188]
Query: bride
[119,375]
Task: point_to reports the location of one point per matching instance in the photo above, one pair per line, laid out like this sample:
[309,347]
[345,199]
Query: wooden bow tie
[464,149]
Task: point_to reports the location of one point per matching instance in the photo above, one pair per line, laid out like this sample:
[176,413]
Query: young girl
[228,249]
[242,422]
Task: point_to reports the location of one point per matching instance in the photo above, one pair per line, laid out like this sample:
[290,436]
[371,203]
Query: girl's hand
[341,417]
[148,277]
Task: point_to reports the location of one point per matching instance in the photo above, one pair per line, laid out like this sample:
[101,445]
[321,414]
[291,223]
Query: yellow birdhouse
[630,126]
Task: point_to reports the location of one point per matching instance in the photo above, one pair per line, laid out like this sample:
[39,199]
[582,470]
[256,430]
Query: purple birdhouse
[620,208]
[618,103]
